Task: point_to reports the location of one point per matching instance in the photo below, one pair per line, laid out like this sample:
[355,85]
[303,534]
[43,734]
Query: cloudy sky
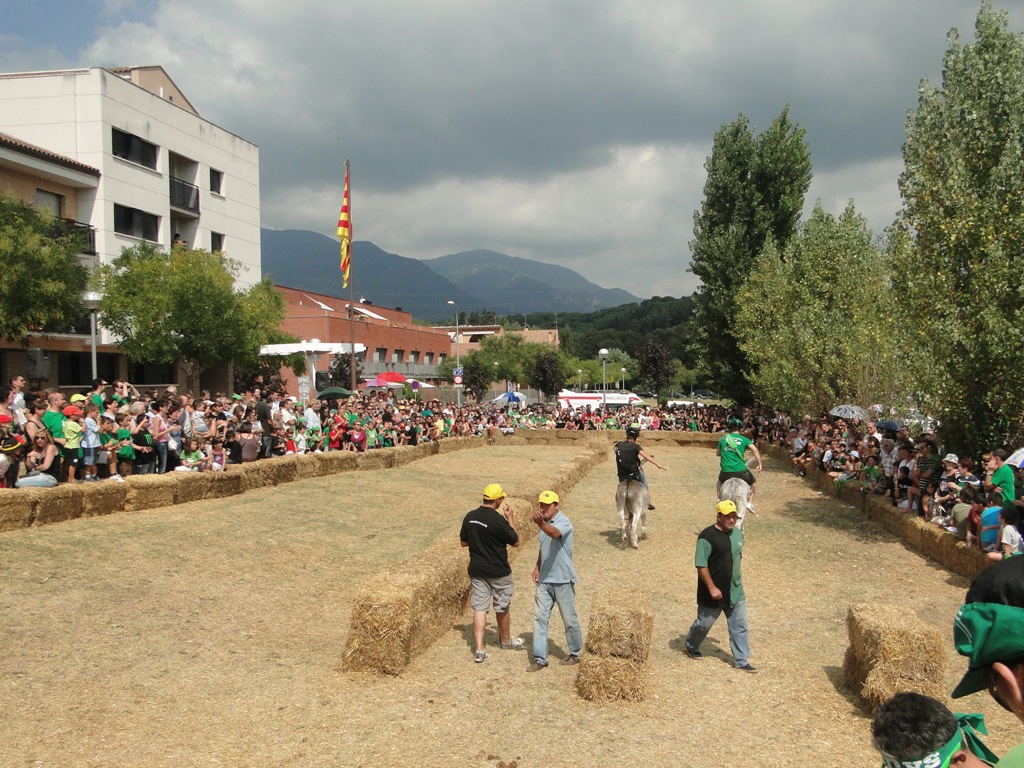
[573,132]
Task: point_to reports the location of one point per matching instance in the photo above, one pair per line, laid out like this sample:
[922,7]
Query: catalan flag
[345,234]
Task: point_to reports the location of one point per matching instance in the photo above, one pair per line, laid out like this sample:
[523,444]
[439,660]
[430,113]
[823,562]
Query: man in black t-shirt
[488,533]
[628,454]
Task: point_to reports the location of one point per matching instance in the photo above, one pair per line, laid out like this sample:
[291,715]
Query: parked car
[705,394]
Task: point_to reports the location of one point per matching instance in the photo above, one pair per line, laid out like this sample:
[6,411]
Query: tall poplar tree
[958,245]
[753,195]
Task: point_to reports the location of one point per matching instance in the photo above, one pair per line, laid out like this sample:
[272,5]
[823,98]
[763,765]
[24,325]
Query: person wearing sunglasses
[989,631]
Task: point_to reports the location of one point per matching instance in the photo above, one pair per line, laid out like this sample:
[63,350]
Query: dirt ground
[210,634]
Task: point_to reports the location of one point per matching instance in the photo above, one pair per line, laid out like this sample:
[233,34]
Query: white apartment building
[164,170]
[122,152]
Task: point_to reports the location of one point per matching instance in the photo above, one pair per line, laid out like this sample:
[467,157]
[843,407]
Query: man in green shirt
[720,586]
[732,450]
[1000,476]
[989,631]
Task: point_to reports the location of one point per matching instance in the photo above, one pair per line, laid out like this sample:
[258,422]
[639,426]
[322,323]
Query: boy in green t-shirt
[126,453]
[73,430]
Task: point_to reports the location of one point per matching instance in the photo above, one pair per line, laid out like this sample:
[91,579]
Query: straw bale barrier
[333,462]
[609,678]
[621,624]
[189,486]
[892,650]
[381,458]
[149,491]
[281,469]
[103,498]
[63,502]
[406,608]
[222,484]
[17,508]
[618,644]
[401,611]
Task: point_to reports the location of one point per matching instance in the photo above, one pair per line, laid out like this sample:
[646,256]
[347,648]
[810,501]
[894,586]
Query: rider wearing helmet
[628,454]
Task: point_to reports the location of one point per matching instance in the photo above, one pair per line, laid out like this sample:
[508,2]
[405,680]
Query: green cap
[986,633]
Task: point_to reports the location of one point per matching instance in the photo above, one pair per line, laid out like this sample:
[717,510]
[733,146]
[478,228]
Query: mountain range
[474,280]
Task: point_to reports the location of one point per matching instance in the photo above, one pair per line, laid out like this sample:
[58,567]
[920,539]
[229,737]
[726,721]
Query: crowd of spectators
[981,504]
[109,431]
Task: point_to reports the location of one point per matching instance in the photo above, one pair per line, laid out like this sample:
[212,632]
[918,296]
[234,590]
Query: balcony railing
[184,195]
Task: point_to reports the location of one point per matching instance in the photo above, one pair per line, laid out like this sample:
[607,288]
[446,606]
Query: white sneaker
[117,478]
[751,507]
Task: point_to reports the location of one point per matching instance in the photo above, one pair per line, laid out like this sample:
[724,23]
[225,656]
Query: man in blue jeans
[555,578]
[720,586]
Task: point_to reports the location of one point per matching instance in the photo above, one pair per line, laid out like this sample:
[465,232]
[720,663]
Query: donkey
[738,492]
[631,499]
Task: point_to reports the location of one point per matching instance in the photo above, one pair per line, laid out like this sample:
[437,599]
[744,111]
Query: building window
[136,223]
[49,201]
[398,356]
[428,358]
[381,356]
[414,358]
[130,147]
[216,241]
[216,180]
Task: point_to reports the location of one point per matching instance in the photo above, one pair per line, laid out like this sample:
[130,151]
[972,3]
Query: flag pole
[351,291]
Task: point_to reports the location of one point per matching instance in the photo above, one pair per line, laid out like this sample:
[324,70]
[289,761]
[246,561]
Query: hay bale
[403,610]
[279,469]
[190,486]
[893,650]
[63,502]
[104,498]
[609,678]
[333,462]
[16,508]
[222,484]
[621,624]
[382,458]
[150,491]
[307,466]
[251,476]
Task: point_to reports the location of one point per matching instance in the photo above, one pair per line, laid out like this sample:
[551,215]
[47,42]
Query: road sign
[457,379]
[415,385]
[457,372]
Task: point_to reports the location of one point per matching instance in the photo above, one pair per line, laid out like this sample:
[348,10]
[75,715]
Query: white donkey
[738,492]
[631,499]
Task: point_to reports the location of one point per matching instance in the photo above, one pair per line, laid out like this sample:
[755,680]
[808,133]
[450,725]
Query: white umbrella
[508,398]
[848,412]
[1016,459]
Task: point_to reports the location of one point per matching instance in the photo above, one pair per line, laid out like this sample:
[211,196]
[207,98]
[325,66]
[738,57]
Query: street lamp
[91,301]
[603,355]
[579,376]
[458,362]
[622,381]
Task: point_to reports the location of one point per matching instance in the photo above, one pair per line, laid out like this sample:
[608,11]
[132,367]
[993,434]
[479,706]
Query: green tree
[339,373]
[753,195]
[548,373]
[477,375]
[818,320]
[41,282]
[656,365]
[958,245]
[182,307]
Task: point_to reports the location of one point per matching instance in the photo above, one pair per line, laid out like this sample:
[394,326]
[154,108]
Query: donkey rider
[628,455]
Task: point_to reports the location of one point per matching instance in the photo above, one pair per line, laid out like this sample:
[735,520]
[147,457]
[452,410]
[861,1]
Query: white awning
[362,310]
[309,348]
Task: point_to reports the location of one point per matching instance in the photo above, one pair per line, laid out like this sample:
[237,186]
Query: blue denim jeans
[739,639]
[564,595]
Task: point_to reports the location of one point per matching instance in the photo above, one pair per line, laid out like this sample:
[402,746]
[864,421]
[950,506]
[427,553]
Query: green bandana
[965,736]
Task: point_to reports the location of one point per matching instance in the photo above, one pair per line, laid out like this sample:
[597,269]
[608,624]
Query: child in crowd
[91,441]
[192,458]
[126,451]
[1010,543]
[73,431]
[218,456]
[911,729]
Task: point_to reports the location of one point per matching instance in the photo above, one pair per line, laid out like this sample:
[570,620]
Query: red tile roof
[24,147]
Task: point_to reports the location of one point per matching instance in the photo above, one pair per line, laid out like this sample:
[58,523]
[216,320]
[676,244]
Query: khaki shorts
[484,591]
